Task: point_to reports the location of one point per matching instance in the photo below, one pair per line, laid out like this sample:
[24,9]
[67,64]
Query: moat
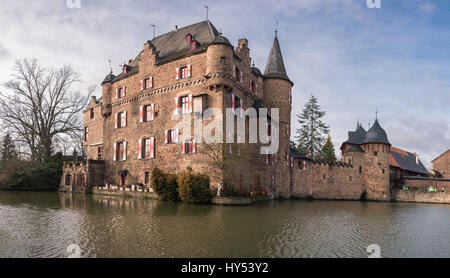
[45,224]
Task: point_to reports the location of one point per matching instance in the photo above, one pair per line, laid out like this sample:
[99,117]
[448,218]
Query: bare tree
[41,105]
[229,163]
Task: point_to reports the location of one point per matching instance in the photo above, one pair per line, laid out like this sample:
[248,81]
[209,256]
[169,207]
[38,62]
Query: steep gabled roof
[407,161]
[173,44]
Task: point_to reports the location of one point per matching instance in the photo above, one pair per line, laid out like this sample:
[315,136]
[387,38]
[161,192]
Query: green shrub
[193,187]
[165,185]
[34,176]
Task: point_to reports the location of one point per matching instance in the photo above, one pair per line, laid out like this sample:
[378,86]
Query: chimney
[417,158]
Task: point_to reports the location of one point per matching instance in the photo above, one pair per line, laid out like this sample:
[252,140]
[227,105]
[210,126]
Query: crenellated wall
[340,181]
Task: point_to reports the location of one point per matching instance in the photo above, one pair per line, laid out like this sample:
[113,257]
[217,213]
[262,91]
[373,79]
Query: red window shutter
[191,103]
[140,149]
[177,73]
[141,113]
[176,106]
[151,81]
[166,136]
[142,85]
[152,147]
[115,152]
[153,111]
[189,70]
[116,121]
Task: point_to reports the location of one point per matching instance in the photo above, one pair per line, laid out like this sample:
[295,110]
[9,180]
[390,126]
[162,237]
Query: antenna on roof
[154,30]
[207,12]
[376,113]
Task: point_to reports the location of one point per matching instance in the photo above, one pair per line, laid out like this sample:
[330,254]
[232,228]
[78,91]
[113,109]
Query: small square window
[375,153]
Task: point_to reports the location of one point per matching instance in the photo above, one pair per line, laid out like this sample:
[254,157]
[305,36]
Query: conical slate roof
[275,64]
[376,134]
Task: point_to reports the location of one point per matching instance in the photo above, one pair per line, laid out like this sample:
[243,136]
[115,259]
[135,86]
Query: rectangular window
[188,147]
[92,113]
[86,133]
[184,105]
[121,151]
[122,119]
[99,153]
[183,72]
[147,177]
[149,113]
[148,83]
[375,153]
[172,136]
[193,45]
[147,148]
[121,92]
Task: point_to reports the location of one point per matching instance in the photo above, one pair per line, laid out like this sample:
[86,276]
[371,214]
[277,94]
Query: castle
[130,130]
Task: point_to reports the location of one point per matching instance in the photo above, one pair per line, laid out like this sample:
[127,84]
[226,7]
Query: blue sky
[354,59]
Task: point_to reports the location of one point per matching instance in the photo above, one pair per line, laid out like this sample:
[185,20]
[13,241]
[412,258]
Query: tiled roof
[406,160]
[173,44]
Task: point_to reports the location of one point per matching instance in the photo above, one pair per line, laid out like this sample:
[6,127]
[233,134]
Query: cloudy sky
[354,59]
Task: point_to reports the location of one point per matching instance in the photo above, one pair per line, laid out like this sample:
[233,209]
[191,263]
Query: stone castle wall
[326,181]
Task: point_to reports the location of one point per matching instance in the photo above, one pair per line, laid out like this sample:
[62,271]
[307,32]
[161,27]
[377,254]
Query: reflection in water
[44,224]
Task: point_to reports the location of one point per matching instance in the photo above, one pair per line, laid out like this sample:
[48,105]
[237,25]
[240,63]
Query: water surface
[45,224]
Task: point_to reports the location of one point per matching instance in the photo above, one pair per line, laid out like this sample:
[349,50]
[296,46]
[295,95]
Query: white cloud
[354,59]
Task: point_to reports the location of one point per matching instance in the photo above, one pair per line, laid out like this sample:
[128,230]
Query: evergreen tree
[8,149]
[328,153]
[310,136]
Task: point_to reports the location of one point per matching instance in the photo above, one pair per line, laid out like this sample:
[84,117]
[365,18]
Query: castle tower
[277,88]
[376,148]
